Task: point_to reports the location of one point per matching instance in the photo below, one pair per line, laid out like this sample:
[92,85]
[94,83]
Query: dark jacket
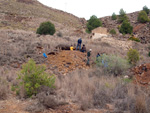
[88,53]
[79,41]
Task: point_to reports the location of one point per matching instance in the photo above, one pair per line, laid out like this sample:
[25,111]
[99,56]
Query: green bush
[142,17]
[114,16]
[46,28]
[122,16]
[145,8]
[33,76]
[122,12]
[133,56]
[93,23]
[126,28]
[134,39]
[113,64]
[112,31]
[149,54]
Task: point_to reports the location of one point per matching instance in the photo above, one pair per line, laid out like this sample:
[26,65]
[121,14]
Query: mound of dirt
[66,61]
[142,74]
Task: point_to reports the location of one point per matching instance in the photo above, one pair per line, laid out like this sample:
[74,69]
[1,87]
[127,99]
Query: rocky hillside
[28,14]
[140,30]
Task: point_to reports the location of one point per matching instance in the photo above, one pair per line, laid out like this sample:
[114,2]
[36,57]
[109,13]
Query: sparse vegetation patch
[32,77]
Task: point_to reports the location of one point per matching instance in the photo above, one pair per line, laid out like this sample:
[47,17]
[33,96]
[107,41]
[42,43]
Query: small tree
[126,28]
[145,8]
[93,23]
[133,56]
[142,17]
[122,16]
[33,76]
[114,16]
[46,28]
[122,12]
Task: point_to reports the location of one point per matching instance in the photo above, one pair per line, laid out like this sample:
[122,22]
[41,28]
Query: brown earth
[142,74]
[14,105]
[66,61]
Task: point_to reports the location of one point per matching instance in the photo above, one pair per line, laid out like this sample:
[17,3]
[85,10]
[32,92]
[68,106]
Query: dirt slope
[66,61]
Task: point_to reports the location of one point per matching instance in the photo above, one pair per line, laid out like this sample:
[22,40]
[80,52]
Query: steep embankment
[140,30]
[28,14]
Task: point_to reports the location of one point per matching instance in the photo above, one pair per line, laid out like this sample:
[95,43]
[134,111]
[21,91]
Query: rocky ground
[141,31]
[142,74]
[66,61]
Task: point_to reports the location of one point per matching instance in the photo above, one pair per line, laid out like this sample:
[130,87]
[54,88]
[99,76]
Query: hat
[90,49]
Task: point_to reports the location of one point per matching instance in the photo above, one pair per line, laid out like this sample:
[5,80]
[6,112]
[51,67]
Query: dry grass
[24,14]
[95,92]
[4,83]
[88,91]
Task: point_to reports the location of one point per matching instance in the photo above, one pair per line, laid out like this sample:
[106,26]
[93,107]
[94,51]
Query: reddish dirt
[142,74]
[66,61]
[138,27]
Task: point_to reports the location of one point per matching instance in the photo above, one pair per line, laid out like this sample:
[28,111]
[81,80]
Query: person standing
[88,57]
[79,44]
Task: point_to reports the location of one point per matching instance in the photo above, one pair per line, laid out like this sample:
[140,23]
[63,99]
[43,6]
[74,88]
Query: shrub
[122,17]
[93,23]
[134,39]
[122,12]
[33,76]
[126,28]
[145,8]
[149,54]
[114,16]
[133,56]
[113,64]
[142,17]
[46,28]
[112,31]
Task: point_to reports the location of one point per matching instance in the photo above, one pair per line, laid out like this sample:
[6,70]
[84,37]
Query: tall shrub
[93,23]
[142,17]
[46,28]
[113,64]
[122,16]
[126,28]
[133,56]
[145,8]
[33,76]
[114,16]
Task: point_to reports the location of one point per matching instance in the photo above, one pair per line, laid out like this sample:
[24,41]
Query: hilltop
[28,14]
[140,30]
